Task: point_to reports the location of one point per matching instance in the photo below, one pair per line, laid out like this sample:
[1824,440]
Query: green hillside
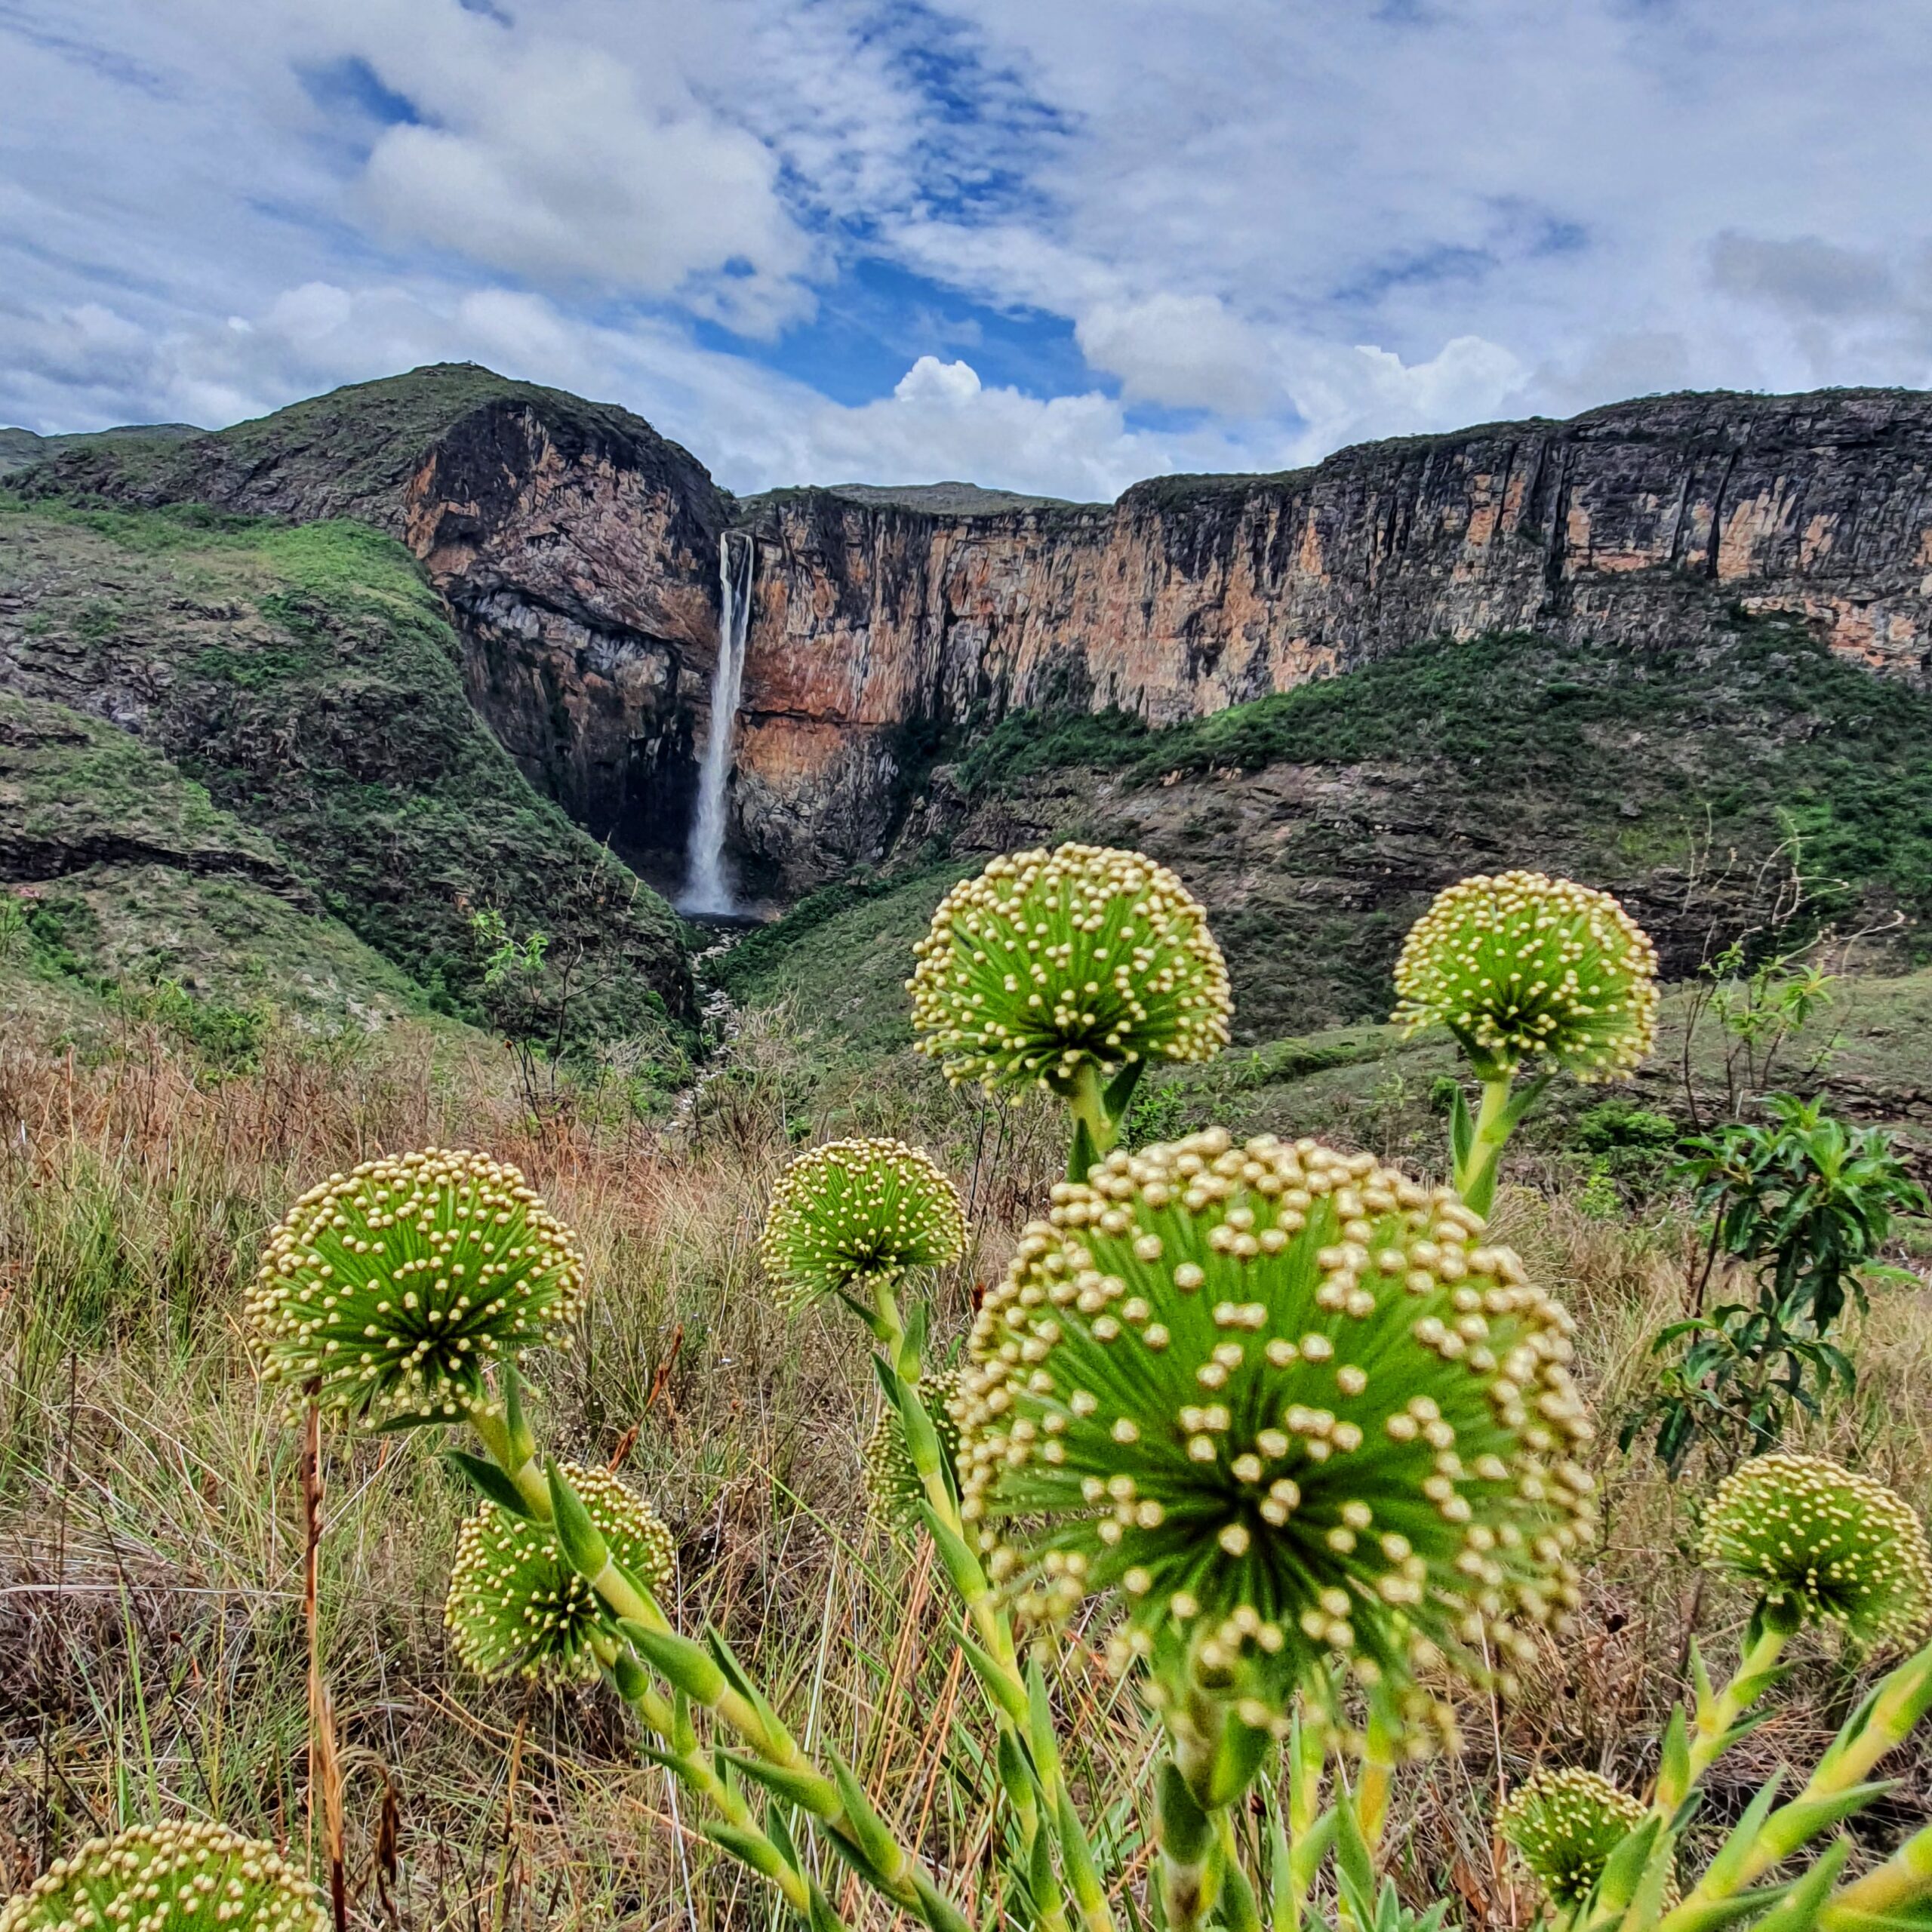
[303,684]
[1316,824]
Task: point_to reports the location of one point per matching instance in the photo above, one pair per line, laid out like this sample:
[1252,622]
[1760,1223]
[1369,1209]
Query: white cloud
[555,162]
[1188,350]
[1301,226]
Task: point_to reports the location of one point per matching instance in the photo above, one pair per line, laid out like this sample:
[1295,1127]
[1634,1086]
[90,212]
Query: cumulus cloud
[1189,351]
[1166,233]
[554,160]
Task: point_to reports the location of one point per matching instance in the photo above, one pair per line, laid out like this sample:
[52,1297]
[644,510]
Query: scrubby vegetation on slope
[304,682]
[1315,824]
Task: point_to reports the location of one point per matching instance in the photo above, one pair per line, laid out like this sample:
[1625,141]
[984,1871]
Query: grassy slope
[1315,824]
[306,679]
[174,888]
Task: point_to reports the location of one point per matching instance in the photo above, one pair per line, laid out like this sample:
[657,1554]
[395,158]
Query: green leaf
[1462,1130]
[688,1667]
[522,1439]
[939,1912]
[1673,1765]
[962,1565]
[398,1424]
[583,1548]
[997,1684]
[747,1848]
[487,1480]
[1354,1861]
[1040,1731]
[882,1851]
[1083,1155]
[805,1789]
[823,1919]
[1119,1095]
[1082,1873]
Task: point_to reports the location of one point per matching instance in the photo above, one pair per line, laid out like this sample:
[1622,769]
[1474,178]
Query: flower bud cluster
[514,1603]
[856,1210]
[1048,960]
[1833,1545]
[1293,1408]
[1526,967]
[1565,1825]
[390,1288]
[184,1878]
[894,1491]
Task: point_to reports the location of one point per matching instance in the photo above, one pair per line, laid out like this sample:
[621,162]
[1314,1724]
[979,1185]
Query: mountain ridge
[576,550]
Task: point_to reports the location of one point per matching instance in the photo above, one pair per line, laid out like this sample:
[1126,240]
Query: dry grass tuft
[151,1659]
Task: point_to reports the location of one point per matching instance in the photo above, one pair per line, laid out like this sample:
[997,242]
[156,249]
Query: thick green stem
[1190,1857]
[913,1892]
[1876,1729]
[1088,1103]
[889,1326]
[1716,1718]
[1475,1177]
[1370,1798]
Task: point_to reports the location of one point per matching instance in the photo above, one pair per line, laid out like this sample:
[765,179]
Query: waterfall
[706,887]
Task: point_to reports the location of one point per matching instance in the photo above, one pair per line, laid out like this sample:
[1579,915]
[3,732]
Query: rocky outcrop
[877,629]
[578,550]
[576,547]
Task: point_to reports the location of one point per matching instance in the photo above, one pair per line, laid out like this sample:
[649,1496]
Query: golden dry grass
[151,1658]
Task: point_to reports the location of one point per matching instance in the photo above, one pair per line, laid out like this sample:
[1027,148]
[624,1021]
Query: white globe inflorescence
[183,1877]
[1523,968]
[855,1211]
[1565,1824]
[1047,960]
[1830,1545]
[516,1604]
[1290,1406]
[387,1291]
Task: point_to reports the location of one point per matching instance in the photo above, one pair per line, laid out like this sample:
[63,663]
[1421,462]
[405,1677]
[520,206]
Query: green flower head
[1565,1825]
[390,1289]
[855,1211]
[1823,1544]
[514,1603]
[1292,1407]
[168,1879]
[1523,967]
[1050,960]
[894,1491]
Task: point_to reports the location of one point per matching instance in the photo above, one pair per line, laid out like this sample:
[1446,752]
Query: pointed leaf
[583,1548]
[805,1789]
[882,1851]
[483,1476]
[688,1667]
[997,1684]
[1120,1090]
[1462,1130]
[747,1848]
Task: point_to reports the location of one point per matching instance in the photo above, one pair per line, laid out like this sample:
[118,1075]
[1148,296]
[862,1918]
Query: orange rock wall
[1650,522]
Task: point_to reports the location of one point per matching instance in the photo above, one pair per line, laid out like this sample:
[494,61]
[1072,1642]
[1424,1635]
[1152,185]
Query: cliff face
[578,549]
[1641,524]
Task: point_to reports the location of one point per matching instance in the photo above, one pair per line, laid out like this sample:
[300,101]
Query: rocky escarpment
[578,549]
[879,629]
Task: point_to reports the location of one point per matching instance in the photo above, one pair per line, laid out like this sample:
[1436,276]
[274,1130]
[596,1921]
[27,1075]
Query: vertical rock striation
[577,549]
[878,627]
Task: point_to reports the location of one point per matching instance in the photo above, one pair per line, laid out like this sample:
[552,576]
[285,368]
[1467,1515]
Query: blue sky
[1053,244]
